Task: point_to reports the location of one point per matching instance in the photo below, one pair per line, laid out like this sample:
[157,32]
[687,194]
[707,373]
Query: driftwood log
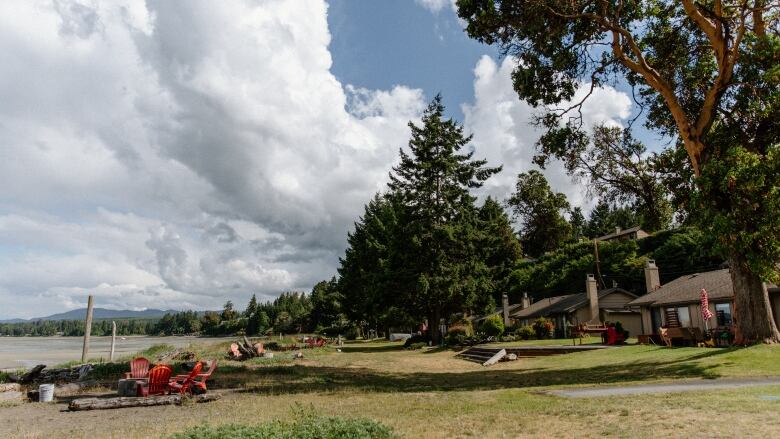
[122,402]
[29,376]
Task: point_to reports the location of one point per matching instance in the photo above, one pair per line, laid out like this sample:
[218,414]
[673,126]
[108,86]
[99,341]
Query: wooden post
[87,331]
[113,341]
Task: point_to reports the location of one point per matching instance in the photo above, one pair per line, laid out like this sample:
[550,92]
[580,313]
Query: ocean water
[25,352]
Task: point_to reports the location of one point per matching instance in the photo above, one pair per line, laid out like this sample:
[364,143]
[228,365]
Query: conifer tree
[436,267]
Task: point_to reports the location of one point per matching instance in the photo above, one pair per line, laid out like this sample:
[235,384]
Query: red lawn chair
[158,381]
[139,368]
[613,337]
[200,380]
[184,386]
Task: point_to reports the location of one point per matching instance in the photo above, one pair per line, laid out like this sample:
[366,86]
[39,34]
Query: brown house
[633,233]
[592,306]
[677,303]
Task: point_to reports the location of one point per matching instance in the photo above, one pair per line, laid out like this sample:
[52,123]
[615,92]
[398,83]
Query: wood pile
[244,350]
[40,374]
[133,401]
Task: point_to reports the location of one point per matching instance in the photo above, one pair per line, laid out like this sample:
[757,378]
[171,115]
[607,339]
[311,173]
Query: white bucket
[46,393]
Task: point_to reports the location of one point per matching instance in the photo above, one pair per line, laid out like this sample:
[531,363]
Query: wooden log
[122,402]
[29,376]
[495,358]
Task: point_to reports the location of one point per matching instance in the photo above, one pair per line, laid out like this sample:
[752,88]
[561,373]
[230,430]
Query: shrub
[309,427]
[543,327]
[417,338]
[493,326]
[526,332]
[418,345]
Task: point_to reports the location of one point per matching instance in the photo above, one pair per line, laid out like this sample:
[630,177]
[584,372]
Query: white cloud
[503,133]
[170,155]
[436,6]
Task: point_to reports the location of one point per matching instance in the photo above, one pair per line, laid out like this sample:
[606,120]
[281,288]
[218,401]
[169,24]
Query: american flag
[705,305]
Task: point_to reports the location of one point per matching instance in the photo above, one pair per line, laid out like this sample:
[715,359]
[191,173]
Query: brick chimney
[652,278]
[526,302]
[505,308]
[592,291]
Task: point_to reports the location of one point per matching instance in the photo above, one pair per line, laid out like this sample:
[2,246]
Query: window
[723,313]
[678,317]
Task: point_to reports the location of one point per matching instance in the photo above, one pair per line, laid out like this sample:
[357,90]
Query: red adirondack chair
[158,381]
[139,368]
[184,386]
[200,381]
[613,337]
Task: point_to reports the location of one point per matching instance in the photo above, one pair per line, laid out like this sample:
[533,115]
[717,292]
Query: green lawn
[431,393]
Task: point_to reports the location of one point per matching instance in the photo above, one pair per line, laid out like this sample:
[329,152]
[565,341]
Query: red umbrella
[705,307]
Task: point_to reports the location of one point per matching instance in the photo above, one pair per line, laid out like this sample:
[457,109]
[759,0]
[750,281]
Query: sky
[175,155]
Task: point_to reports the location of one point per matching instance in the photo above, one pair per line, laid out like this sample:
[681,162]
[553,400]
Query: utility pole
[113,341]
[598,263]
[87,331]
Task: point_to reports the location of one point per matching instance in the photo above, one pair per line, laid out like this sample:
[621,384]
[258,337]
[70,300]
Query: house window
[678,317]
[723,313]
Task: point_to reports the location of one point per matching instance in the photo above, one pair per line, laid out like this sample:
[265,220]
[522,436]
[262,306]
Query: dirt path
[685,386]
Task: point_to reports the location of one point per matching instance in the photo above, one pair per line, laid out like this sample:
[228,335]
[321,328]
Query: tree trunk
[433,327]
[752,309]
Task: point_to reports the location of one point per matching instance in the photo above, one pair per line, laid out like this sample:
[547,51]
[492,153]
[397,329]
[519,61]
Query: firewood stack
[244,350]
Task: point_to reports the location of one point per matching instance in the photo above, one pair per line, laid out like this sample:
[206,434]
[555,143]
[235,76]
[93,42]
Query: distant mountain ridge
[99,313]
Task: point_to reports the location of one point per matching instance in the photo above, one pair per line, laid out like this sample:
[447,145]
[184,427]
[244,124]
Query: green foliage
[309,427]
[739,204]
[539,211]
[415,346]
[676,252]
[543,328]
[493,326]
[525,332]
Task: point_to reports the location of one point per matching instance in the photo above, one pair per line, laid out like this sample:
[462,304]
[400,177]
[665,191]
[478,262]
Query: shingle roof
[562,304]
[686,289]
[497,311]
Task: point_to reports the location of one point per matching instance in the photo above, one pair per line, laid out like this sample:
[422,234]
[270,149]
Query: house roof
[497,311]
[686,289]
[618,234]
[563,304]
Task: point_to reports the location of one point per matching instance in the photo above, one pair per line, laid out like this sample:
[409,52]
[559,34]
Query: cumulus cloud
[177,155]
[503,130]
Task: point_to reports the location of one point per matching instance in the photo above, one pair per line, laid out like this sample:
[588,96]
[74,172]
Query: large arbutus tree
[707,73]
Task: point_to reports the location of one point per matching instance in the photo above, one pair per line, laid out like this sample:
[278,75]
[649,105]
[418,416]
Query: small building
[592,306]
[678,303]
[633,233]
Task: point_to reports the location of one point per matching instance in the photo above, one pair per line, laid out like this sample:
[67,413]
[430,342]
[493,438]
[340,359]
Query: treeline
[291,312]
[76,327]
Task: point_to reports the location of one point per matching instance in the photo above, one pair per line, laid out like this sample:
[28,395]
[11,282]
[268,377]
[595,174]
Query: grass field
[431,393]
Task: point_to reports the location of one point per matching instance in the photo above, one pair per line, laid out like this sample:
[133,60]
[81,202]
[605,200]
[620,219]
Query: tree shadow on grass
[308,379]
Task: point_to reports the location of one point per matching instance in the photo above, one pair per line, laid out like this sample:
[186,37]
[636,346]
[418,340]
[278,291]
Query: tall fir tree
[438,270]
[539,211]
[499,249]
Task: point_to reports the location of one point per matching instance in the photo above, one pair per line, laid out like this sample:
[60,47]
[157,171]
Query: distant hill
[99,313]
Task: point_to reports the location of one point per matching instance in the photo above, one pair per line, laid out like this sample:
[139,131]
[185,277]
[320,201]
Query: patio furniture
[139,368]
[614,337]
[184,386]
[199,382]
[157,383]
[583,330]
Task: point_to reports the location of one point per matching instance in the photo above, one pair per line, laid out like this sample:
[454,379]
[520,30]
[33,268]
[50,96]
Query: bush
[525,332]
[418,345]
[417,338]
[493,326]
[543,327]
[309,427]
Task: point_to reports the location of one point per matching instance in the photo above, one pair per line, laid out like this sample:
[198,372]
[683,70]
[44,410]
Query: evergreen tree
[251,313]
[578,224]
[539,211]
[437,268]
[498,247]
